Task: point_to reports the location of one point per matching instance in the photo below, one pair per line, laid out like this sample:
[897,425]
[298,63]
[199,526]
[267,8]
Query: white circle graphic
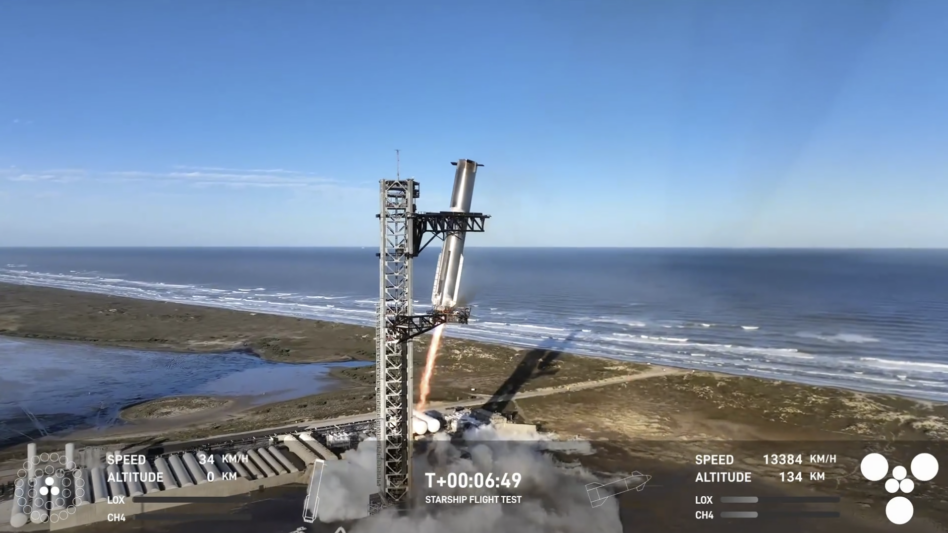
[50,482]
[907,485]
[874,467]
[891,486]
[899,473]
[924,467]
[899,510]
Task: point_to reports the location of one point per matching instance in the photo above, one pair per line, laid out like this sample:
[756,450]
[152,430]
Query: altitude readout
[463,480]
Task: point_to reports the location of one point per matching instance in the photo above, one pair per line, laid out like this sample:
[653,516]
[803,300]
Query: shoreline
[269,351]
[638,414]
[466,369]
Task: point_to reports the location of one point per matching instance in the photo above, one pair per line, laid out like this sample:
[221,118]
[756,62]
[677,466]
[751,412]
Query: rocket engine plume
[425,385]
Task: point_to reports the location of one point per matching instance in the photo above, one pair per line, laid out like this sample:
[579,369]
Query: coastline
[466,369]
[655,417]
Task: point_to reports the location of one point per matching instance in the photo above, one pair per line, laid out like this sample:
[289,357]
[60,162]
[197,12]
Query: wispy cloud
[201,177]
[45,177]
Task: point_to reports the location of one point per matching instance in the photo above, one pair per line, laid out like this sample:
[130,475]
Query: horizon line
[310,247]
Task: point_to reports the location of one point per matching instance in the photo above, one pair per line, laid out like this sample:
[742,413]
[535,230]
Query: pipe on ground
[266,468]
[116,487]
[57,502]
[318,447]
[167,478]
[277,467]
[418,426]
[18,518]
[199,476]
[252,466]
[207,462]
[134,487]
[31,459]
[231,467]
[147,475]
[70,456]
[184,479]
[39,514]
[82,486]
[299,449]
[283,459]
[100,490]
[434,425]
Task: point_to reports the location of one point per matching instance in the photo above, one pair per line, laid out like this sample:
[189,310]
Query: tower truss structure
[402,238]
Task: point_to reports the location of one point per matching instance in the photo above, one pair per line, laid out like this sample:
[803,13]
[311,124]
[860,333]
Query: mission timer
[463,480]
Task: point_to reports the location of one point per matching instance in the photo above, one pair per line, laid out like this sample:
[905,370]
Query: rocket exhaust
[447,282]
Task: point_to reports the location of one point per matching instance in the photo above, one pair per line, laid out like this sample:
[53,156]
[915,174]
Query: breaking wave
[838,337]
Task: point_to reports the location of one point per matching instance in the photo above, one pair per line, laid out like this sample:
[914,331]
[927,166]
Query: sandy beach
[636,409]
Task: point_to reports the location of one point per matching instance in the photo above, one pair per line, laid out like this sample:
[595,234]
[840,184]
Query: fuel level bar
[191,499]
[779,499]
[195,517]
[779,514]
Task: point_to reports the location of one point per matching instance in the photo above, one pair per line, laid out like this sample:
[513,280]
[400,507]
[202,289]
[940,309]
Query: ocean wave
[696,346]
[720,348]
[618,321]
[839,337]
[935,367]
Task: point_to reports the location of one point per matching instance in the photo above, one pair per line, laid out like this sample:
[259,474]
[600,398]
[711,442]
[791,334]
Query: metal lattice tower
[393,365]
[402,238]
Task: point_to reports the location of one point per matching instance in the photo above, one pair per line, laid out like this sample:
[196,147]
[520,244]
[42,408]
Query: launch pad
[402,238]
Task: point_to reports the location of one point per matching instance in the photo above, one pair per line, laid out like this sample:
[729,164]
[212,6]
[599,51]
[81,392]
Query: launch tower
[403,233]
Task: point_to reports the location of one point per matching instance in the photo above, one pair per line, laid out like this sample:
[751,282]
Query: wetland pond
[47,387]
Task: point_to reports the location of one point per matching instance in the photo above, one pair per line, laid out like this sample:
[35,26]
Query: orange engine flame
[424,388]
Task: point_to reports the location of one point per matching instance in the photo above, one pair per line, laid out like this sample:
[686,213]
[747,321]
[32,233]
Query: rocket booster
[448,275]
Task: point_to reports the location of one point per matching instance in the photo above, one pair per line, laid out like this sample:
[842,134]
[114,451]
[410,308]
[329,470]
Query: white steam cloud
[554,497]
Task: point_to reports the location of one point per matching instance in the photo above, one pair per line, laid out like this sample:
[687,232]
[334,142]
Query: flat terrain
[643,414]
[465,369]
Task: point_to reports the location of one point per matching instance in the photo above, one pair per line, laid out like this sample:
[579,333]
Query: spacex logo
[875,467]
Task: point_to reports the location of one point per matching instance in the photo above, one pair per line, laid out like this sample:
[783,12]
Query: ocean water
[865,320]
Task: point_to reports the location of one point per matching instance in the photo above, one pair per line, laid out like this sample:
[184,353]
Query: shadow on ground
[536,363]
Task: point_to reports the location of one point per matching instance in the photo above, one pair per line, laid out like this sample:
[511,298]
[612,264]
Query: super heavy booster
[448,275]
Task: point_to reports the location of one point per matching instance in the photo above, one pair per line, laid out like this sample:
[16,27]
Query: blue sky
[624,123]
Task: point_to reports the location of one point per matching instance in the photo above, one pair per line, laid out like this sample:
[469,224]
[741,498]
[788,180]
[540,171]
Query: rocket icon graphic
[599,492]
